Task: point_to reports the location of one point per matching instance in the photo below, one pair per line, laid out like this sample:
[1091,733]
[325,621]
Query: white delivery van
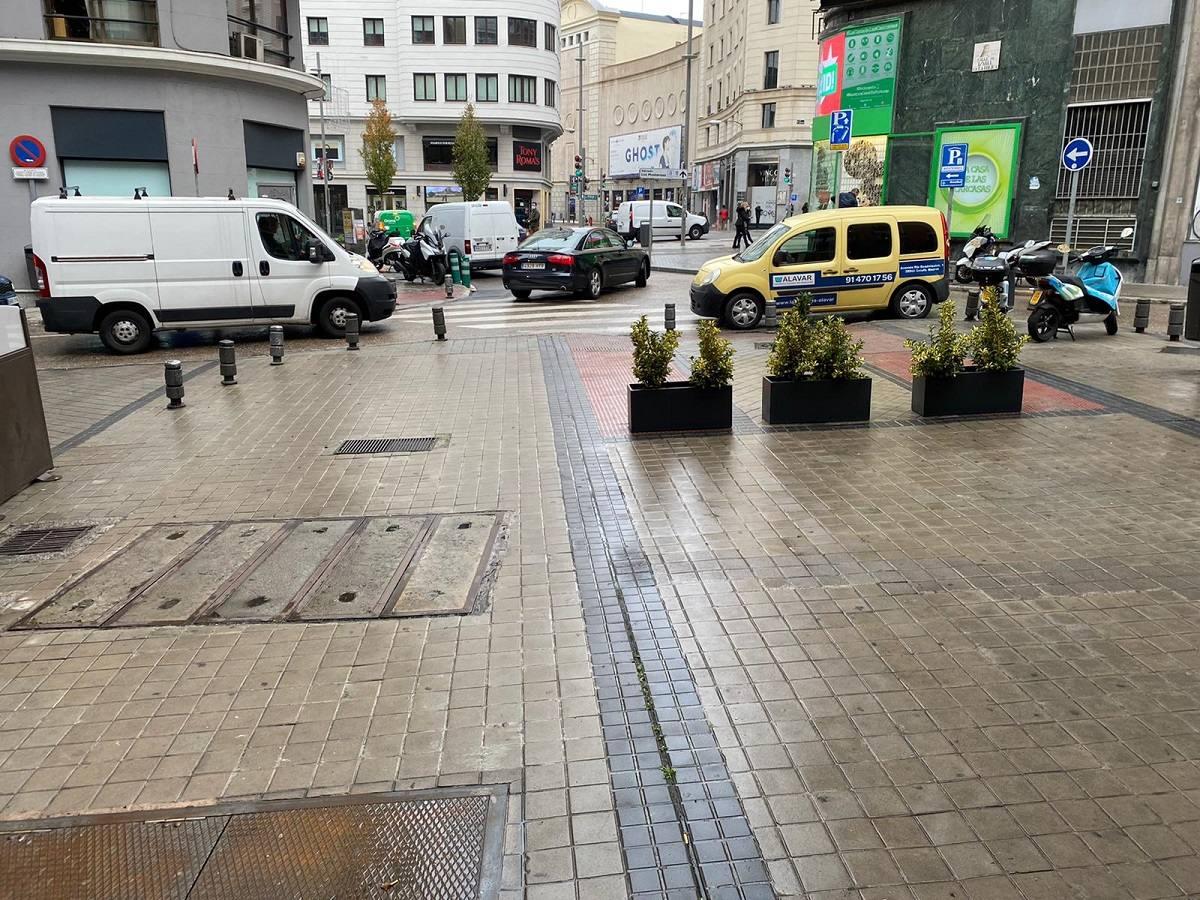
[125,268]
[484,230]
[668,217]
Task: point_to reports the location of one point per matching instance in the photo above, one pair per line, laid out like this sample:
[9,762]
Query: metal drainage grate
[387,445]
[33,541]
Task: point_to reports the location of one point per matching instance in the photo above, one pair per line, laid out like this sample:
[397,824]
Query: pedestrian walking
[724,215]
[757,213]
[534,218]
[742,227]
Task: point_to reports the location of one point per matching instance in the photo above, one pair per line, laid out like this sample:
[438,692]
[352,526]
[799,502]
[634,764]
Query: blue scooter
[1091,294]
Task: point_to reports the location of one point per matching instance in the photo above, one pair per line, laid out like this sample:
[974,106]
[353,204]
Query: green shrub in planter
[815,372]
[713,368]
[652,353]
[994,343]
[704,402]
[946,351]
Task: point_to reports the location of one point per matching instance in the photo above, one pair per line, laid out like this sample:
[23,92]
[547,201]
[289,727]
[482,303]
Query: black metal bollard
[772,314]
[439,323]
[669,316]
[1141,315]
[1175,321]
[449,287]
[228,357]
[972,304]
[173,376]
[277,345]
[351,331]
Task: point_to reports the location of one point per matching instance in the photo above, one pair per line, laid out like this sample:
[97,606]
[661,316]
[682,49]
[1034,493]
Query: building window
[318,31]
[438,152]
[522,89]
[131,22]
[327,80]
[424,87]
[710,54]
[550,33]
[768,115]
[771,70]
[333,144]
[265,21]
[485,30]
[1118,135]
[550,92]
[709,109]
[454,29]
[1117,65]
[423,30]
[772,12]
[522,32]
[456,87]
[487,88]
[376,88]
[373,32]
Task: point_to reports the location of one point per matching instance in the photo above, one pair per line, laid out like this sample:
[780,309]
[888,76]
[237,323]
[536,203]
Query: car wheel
[126,331]
[595,283]
[643,274]
[1043,324]
[696,232]
[332,317]
[521,294]
[1110,324]
[912,302]
[743,311]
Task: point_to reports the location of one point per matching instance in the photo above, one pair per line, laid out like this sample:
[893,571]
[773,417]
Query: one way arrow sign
[1077,154]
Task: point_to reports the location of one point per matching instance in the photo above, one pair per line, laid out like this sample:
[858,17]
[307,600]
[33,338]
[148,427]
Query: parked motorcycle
[383,250]
[1091,294]
[981,243]
[1022,261]
[8,296]
[424,255]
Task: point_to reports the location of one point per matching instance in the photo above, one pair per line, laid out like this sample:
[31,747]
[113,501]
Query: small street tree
[378,149]
[472,171]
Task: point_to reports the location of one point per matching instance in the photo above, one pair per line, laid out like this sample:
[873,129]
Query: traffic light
[578,166]
[787,176]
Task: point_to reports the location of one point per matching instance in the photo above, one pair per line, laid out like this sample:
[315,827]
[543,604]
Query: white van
[483,229]
[668,216]
[125,268]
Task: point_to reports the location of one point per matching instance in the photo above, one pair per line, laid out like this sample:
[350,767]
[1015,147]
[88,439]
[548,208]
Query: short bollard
[449,286]
[277,345]
[1141,315]
[772,314]
[669,316]
[351,331]
[439,323]
[1175,321]
[173,376]
[972,305]
[227,355]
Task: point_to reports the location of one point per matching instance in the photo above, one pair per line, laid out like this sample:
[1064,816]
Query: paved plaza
[912,659]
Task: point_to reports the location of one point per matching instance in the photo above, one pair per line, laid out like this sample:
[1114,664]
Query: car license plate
[533,265]
[1035,298]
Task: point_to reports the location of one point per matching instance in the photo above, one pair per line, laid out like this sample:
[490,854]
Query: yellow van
[851,260]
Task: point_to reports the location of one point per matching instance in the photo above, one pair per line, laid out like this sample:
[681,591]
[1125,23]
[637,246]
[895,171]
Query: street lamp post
[325,168]
[683,143]
[582,147]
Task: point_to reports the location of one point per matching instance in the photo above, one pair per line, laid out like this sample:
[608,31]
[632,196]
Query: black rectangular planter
[786,401]
[679,406]
[970,393]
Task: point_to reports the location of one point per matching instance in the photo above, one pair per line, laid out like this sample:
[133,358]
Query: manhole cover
[386,445]
[423,845]
[32,541]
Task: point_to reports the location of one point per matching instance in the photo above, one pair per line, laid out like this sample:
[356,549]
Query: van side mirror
[317,252]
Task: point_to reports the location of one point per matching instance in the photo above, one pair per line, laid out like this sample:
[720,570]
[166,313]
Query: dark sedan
[582,260]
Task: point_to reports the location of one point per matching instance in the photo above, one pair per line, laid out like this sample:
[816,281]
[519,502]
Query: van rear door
[202,260]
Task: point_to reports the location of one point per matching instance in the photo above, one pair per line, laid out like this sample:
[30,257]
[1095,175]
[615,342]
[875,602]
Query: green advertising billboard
[993,152]
[858,72]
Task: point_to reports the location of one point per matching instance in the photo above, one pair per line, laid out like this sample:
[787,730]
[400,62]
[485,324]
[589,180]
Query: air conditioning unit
[250,47]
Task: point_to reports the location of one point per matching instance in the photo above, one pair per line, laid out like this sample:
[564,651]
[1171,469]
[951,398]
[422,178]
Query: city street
[911,659]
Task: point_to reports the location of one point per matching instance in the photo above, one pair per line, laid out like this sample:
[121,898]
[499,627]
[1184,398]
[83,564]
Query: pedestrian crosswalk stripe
[628,313]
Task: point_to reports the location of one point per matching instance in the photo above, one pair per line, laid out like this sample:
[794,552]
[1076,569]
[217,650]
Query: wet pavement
[909,659]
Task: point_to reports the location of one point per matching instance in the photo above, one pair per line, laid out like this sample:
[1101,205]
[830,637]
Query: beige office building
[633,105]
[755,93]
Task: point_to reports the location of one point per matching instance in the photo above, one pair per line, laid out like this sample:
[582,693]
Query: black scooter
[424,255]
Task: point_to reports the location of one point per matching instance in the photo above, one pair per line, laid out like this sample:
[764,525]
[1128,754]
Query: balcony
[253,40]
[102,21]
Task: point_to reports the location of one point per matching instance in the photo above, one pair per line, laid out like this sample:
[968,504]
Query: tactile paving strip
[430,845]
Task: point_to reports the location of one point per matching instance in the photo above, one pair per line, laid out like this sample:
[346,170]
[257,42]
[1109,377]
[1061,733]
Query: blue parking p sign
[841,128]
[952,172]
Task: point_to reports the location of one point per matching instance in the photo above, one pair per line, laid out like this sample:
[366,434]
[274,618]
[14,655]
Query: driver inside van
[273,238]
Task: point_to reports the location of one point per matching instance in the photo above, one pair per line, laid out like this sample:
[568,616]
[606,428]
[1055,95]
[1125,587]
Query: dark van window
[816,246]
[917,237]
[869,240]
[283,237]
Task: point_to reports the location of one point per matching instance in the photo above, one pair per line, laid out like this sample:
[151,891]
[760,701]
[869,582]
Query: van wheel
[743,311]
[696,232]
[332,317]
[126,331]
[643,275]
[912,302]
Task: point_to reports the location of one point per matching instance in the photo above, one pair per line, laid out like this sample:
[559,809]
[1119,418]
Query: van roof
[115,203]
[867,212]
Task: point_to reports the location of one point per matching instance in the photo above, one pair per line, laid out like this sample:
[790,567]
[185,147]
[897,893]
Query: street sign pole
[1076,156]
[650,242]
[1071,217]
[949,217]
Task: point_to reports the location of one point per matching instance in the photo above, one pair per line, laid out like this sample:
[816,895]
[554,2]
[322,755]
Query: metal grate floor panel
[424,845]
[386,445]
[32,541]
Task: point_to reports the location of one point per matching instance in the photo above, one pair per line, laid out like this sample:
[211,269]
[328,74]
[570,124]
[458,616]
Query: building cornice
[212,65]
